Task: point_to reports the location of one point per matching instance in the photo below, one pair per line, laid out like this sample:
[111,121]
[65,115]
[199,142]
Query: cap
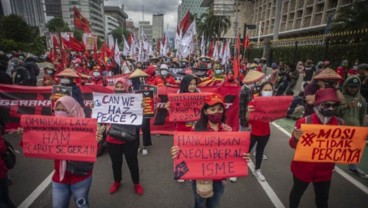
[68,73]
[354,81]
[325,95]
[328,73]
[164,66]
[214,99]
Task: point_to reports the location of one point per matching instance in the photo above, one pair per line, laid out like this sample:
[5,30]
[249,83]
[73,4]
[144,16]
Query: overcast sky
[134,10]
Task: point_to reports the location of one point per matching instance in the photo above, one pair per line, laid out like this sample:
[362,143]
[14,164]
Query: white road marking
[37,192]
[337,169]
[267,188]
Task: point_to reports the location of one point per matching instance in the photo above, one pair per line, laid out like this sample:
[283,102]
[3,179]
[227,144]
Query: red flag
[80,22]
[184,23]
[75,45]
[55,42]
[236,65]
[65,42]
[210,50]
[246,43]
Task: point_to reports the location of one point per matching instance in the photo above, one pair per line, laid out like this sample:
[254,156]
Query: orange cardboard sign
[268,109]
[336,144]
[186,106]
[64,138]
[210,155]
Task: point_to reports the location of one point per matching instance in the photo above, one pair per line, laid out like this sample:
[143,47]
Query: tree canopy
[57,25]
[352,18]
[212,26]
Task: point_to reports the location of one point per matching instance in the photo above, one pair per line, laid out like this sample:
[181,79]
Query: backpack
[9,157]
[21,76]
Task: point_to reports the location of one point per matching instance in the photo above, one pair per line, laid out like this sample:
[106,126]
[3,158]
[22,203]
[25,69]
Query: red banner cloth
[268,109]
[210,155]
[63,138]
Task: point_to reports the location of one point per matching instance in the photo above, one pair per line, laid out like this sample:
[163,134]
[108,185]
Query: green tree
[57,25]
[15,28]
[352,18]
[118,34]
[78,34]
[212,26]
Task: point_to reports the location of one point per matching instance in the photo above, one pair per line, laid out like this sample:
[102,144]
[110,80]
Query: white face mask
[266,93]
[96,74]
[164,73]
[64,81]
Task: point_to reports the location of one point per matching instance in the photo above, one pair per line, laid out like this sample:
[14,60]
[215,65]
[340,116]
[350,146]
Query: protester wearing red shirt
[97,77]
[207,193]
[230,80]
[70,177]
[49,77]
[260,132]
[117,148]
[319,174]
[151,71]
[164,78]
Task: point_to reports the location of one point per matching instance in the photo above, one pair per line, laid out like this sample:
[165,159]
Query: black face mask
[327,112]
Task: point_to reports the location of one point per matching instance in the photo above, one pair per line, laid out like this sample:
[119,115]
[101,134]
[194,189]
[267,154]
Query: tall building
[110,24]
[31,11]
[93,10]
[157,26]
[296,16]
[118,13]
[147,29]
[193,6]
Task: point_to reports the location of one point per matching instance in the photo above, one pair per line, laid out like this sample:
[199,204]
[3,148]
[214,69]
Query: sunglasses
[329,105]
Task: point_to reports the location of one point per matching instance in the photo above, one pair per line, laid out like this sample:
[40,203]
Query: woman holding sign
[318,173]
[70,177]
[260,132]
[207,193]
[117,148]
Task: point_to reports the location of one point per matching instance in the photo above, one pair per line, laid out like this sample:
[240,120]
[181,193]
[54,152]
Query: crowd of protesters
[324,96]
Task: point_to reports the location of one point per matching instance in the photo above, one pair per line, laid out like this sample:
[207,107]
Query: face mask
[218,71]
[164,73]
[65,81]
[96,74]
[49,72]
[215,118]
[266,93]
[209,65]
[61,114]
[326,112]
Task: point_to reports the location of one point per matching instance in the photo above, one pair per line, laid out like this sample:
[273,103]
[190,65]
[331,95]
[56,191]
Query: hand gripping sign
[124,108]
[336,144]
[210,155]
[64,138]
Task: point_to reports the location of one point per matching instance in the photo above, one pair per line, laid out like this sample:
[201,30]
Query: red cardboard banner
[210,155]
[336,144]
[63,138]
[186,106]
[268,109]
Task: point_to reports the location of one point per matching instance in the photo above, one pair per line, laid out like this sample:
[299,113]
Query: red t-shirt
[259,128]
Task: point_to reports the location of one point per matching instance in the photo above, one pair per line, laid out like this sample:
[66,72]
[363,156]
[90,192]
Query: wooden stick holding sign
[64,138]
[268,109]
[210,155]
[336,144]
[124,108]
[186,106]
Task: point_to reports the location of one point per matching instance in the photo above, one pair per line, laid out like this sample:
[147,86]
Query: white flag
[117,53]
[126,50]
[111,41]
[203,46]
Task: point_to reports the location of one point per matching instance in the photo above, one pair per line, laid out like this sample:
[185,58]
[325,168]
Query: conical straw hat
[68,73]
[253,76]
[328,74]
[138,73]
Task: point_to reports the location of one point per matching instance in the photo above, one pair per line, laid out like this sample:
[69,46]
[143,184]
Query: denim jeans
[212,202]
[61,193]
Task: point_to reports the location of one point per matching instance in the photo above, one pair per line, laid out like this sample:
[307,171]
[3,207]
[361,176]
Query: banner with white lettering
[124,108]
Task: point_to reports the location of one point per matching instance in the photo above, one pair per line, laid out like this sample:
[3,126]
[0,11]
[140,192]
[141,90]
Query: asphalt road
[161,190]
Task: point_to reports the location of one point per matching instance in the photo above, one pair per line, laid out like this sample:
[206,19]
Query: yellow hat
[68,73]
[328,74]
[138,73]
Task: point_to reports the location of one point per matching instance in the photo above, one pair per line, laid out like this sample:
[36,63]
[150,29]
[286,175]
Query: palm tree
[352,18]
[212,26]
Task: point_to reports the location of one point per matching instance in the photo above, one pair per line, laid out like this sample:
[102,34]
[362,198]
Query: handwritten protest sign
[268,109]
[186,106]
[64,138]
[210,155]
[337,144]
[124,108]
